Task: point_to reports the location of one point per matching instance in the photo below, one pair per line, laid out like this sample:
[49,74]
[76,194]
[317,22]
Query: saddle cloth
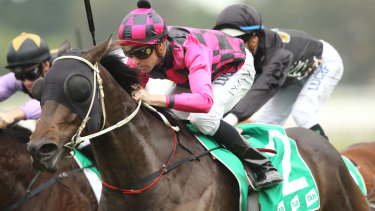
[356,175]
[298,191]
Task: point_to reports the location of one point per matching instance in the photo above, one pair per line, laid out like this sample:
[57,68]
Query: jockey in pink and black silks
[196,57]
[211,73]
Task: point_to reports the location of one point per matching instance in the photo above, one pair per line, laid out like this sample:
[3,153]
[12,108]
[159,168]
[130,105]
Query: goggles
[33,74]
[140,52]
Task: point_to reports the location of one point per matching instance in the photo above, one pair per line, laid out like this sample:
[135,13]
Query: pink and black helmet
[142,26]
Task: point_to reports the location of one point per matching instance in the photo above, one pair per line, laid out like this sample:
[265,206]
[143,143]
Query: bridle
[77,139]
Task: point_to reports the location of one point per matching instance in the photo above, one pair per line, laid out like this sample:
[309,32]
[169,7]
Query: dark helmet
[142,26]
[238,20]
[27,49]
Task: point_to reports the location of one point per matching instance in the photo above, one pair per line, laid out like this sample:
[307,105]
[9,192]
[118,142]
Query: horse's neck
[135,147]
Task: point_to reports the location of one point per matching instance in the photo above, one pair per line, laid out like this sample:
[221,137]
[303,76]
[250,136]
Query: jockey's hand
[7,118]
[151,99]
[141,94]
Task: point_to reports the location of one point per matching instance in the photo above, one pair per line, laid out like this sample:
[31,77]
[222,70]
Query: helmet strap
[161,61]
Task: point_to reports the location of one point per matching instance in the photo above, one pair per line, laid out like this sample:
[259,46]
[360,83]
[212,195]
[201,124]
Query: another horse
[145,144]
[16,174]
[363,156]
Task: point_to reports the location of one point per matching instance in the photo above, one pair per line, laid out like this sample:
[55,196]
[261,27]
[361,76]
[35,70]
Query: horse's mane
[16,133]
[122,73]
[126,76]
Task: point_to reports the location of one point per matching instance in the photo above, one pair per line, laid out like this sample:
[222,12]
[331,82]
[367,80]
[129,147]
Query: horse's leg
[205,201]
[221,192]
[337,189]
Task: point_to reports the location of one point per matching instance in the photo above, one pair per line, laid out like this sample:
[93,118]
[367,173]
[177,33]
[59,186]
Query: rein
[41,187]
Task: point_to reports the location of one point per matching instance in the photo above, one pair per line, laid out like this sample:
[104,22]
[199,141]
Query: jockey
[296,73]
[29,59]
[211,73]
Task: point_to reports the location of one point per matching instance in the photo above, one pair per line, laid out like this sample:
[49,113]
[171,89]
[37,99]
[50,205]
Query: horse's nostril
[47,150]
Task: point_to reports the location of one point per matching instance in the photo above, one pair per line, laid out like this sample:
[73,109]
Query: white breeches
[304,99]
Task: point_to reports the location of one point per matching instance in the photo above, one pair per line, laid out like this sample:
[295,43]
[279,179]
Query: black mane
[122,73]
[127,76]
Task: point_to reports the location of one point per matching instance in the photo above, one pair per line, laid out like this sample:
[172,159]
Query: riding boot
[267,174]
[87,151]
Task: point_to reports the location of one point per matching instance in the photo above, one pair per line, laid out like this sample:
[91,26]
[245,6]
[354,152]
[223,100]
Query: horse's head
[67,93]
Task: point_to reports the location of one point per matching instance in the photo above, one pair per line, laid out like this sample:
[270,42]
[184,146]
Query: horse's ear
[97,52]
[64,47]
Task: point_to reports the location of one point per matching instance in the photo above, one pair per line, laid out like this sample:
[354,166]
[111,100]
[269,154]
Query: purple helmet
[142,26]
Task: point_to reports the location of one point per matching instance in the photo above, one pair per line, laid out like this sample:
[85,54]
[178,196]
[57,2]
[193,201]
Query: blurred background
[348,25]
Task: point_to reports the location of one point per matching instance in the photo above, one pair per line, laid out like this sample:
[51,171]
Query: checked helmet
[142,26]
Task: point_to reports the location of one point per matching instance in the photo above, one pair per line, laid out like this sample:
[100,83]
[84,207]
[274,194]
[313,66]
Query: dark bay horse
[16,173]
[363,155]
[144,145]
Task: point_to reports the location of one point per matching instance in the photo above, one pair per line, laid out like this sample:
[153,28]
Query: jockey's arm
[273,76]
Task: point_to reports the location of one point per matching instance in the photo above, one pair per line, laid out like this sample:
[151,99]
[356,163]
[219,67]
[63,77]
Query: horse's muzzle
[44,155]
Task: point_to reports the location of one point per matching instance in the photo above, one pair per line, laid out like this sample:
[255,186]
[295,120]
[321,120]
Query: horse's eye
[37,89]
[77,88]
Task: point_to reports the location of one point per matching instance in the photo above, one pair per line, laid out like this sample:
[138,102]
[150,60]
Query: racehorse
[16,174]
[132,157]
[363,156]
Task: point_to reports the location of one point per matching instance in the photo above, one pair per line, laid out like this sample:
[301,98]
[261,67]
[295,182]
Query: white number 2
[289,186]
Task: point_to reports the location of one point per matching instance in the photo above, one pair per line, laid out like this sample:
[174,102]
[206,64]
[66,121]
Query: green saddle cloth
[92,174]
[357,177]
[297,191]
[83,161]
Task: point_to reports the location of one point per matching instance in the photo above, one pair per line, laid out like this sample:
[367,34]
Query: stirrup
[250,179]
